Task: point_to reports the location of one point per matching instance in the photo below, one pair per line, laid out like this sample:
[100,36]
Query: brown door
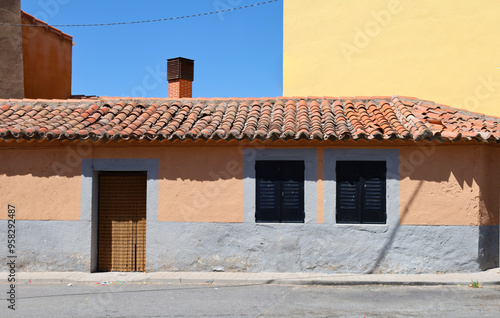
[122,221]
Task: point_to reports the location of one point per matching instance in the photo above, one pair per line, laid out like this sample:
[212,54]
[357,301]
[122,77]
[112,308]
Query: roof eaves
[52,29]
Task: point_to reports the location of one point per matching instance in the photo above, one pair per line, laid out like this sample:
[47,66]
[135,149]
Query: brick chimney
[180,76]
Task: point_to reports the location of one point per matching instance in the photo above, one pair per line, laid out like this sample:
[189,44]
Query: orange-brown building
[370,184]
[36,58]
[47,65]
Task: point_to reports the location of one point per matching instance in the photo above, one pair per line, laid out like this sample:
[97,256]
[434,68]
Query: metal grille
[122,221]
[180,68]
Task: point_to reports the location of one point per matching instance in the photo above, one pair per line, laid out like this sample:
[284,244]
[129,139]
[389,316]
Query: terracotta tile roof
[347,118]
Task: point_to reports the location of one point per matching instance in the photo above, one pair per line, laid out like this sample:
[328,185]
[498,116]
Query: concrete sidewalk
[489,277]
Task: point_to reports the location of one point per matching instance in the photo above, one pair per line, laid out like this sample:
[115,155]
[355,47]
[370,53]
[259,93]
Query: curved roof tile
[299,118]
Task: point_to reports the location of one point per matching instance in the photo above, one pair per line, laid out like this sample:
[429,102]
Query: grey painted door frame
[89,194]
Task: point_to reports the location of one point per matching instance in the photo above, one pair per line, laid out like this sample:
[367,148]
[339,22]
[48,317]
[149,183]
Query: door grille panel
[122,221]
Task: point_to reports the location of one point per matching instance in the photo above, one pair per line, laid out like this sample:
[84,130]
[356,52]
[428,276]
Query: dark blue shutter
[361,194]
[292,191]
[267,192]
[279,191]
[348,192]
[374,196]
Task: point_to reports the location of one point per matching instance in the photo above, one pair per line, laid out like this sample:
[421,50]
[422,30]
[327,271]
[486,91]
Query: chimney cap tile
[179,58]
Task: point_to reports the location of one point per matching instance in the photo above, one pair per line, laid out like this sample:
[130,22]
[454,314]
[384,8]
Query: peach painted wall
[439,185]
[28,182]
[201,185]
[444,185]
[47,59]
[195,185]
[490,185]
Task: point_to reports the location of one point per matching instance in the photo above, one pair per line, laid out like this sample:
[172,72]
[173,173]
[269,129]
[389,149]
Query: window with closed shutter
[361,192]
[279,191]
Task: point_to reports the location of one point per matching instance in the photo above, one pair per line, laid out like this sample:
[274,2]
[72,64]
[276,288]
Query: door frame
[131,230]
[90,193]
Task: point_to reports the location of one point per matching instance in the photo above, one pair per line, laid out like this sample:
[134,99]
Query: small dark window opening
[361,192]
[279,191]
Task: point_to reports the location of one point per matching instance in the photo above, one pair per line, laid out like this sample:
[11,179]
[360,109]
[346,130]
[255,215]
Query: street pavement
[140,299]
[489,277]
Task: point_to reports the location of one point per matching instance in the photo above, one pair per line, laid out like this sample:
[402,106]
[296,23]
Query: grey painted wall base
[49,245]
[321,248]
[65,246]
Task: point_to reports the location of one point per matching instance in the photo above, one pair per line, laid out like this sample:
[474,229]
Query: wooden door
[122,221]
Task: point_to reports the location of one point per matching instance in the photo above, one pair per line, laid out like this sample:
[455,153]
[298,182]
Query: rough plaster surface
[11,54]
[321,248]
[49,245]
[437,189]
[65,246]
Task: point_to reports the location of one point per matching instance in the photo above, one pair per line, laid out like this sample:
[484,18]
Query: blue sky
[237,54]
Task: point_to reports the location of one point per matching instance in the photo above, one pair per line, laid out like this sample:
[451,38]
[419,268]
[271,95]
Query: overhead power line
[146,21]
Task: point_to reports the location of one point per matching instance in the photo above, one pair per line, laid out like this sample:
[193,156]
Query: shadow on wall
[465,166]
[488,241]
[197,163]
[390,240]
[459,169]
[488,247]
[460,166]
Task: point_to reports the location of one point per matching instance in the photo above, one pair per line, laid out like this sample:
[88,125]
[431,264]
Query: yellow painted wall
[441,50]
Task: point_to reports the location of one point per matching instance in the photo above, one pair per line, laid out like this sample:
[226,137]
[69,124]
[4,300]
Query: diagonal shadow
[390,240]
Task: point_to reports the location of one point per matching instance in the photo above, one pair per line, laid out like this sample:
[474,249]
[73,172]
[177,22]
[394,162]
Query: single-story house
[297,184]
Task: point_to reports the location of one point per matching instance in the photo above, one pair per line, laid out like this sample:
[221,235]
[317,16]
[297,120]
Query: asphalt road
[212,300]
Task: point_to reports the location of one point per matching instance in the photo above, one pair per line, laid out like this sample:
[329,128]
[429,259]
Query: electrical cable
[144,21]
